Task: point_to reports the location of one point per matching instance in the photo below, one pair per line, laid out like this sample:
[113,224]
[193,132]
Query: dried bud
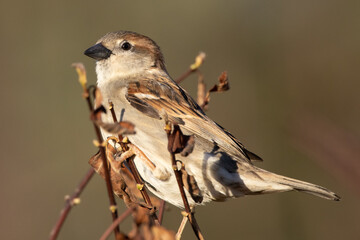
[223,83]
[198,61]
[80,69]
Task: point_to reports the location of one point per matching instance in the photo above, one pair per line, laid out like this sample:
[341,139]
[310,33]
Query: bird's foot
[133,150]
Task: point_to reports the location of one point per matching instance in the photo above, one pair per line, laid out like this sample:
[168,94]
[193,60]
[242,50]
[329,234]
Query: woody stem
[69,204]
[178,174]
[132,166]
[109,188]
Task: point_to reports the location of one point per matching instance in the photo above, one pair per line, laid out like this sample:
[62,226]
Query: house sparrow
[131,73]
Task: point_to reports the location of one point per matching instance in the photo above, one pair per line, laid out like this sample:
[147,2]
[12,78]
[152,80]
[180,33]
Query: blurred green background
[287,61]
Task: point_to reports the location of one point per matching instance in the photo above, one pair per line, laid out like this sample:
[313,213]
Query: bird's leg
[134,150]
[123,154]
[110,151]
[123,141]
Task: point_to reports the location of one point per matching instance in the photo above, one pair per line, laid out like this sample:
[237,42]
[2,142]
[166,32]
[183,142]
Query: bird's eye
[126,46]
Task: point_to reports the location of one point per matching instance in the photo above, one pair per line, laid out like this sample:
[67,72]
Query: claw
[133,150]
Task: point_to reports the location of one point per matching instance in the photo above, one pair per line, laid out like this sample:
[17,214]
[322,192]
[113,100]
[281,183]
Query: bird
[131,73]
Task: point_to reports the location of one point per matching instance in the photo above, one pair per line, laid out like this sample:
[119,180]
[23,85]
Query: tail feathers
[280,183]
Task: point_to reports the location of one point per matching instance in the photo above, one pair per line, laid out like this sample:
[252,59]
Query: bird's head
[123,54]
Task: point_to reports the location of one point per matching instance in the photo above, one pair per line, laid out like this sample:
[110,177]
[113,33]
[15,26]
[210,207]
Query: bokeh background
[294,100]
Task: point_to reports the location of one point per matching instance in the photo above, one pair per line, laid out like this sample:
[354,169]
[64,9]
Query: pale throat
[108,72]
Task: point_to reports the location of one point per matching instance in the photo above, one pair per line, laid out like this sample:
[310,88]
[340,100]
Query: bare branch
[70,202]
[199,60]
[161,211]
[201,89]
[176,145]
[221,87]
[116,223]
[135,173]
[82,75]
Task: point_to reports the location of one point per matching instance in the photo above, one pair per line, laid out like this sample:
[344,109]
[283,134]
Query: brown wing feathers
[158,98]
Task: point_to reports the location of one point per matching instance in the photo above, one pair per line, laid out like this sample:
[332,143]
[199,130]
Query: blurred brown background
[294,100]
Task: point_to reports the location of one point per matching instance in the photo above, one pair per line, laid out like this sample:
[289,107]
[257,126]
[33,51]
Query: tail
[272,182]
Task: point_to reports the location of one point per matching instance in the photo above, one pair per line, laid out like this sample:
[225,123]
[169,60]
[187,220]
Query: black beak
[98,52]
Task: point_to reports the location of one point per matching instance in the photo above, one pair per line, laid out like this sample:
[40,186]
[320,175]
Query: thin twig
[181,227]
[113,114]
[222,86]
[178,174]
[190,215]
[180,183]
[139,182]
[113,207]
[195,226]
[70,203]
[201,89]
[133,168]
[161,211]
[115,223]
[193,67]
[83,81]
[185,75]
